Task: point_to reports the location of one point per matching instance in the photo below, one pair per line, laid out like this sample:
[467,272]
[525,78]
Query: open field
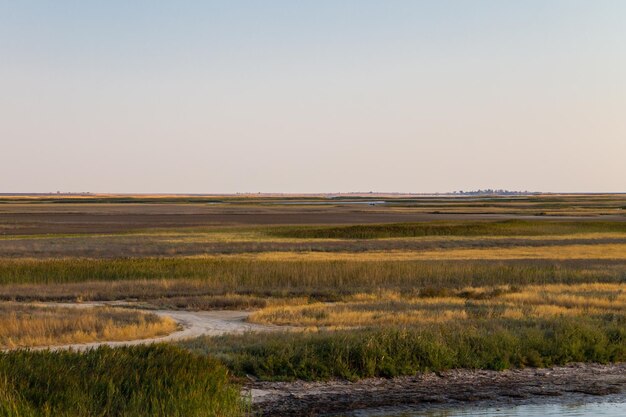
[507,228]
[111,247]
[58,215]
[32,325]
[325,280]
[506,302]
[254,239]
[412,285]
[29,220]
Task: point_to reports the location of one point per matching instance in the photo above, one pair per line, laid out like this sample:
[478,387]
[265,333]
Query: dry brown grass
[392,308]
[24,325]
[196,243]
[597,251]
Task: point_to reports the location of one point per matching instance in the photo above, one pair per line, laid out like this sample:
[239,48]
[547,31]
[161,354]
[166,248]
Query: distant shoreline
[392,195]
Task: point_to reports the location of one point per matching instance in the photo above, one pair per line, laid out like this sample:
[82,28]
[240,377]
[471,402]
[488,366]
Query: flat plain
[363,286]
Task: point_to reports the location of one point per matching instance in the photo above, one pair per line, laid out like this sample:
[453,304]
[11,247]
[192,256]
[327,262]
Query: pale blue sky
[316,96]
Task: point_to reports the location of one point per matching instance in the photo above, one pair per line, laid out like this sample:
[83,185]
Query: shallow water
[603,409]
[547,410]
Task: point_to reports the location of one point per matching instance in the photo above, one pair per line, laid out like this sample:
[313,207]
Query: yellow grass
[29,325]
[392,308]
[260,236]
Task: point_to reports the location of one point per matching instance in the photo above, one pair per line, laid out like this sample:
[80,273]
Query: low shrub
[156,380]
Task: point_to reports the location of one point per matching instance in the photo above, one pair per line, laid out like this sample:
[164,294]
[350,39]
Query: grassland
[36,216]
[391,333]
[417,284]
[29,326]
[505,302]
[450,228]
[54,280]
[386,352]
[140,381]
[255,239]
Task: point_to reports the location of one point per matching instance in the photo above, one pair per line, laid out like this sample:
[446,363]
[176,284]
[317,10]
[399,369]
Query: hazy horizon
[316,97]
[459,193]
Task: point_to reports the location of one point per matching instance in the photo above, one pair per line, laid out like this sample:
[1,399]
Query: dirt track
[193,324]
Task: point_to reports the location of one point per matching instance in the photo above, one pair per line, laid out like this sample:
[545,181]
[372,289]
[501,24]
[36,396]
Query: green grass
[451,228]
[138,381]
[483,344]
[196,377]
[252,275]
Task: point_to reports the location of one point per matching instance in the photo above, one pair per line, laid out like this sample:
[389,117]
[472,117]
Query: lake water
[545,410]
[601,409]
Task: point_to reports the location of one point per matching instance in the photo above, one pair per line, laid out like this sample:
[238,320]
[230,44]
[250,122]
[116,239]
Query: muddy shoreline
[433,391]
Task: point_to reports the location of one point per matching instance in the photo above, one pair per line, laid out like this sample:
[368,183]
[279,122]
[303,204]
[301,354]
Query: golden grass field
[389,308]
[26,325]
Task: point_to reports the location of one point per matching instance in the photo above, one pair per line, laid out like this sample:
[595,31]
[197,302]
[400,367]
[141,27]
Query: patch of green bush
[146,381]
[482,344]
[251,275]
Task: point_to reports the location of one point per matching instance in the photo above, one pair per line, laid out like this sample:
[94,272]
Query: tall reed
[134,381]
[479,344]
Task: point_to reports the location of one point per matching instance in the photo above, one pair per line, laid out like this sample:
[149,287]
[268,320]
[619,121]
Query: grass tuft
[123,382]
[480,344]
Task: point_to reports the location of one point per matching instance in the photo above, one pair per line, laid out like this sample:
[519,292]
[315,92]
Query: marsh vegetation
[479,343]
[130,381]
[370,291]
[31,325]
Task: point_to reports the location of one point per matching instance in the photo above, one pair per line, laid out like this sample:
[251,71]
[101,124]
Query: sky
[312,96]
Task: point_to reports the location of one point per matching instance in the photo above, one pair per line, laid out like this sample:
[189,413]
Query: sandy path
[194,324]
